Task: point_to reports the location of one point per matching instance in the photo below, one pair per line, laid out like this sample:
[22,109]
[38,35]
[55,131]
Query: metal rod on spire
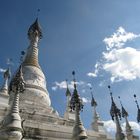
[73,73]
[120,100]
[138,112]
[91,91]
[109,87]
[38,11]
[22,56]
[136,101]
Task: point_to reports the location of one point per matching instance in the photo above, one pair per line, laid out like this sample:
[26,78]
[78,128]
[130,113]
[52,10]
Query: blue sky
[77,36]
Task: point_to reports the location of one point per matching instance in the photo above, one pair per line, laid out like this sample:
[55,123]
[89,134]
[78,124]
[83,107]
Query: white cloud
[110,126]
[124,65]
[2,70]
[10,61]
[102,83]
[89,85]
[85,100]
[90,74]
[63,85]
[134,126]
[118,39]
[54,88]
[121,62]
[83,91]
[95,73]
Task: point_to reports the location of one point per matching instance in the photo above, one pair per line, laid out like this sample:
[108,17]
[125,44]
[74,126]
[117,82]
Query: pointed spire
[138,112]
[116,114]
[94,124]
[4,88]
[124,112]
[12,122]
[129,131]
[67,90]
[76,104]
[17,84]
[93,102]
[114,111]
[68,110]
[35,30]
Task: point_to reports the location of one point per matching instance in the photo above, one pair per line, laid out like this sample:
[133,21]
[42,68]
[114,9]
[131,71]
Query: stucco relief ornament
[17,85]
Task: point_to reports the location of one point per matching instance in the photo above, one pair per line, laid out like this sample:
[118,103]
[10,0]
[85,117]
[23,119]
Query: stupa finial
[124,112]
[93,102]
[35,31]
[138,112]
[74,80]
[67,90]
[114,111]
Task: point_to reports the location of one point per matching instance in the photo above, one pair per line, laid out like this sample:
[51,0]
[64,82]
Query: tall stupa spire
[4,88]
[76,104]
[116,114]
[96,116]
[11,127]
[34,35]
[36,85]
[129,131]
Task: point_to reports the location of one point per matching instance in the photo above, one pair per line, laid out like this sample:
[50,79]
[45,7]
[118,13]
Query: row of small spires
[7,75]
[115,111]
[76,102]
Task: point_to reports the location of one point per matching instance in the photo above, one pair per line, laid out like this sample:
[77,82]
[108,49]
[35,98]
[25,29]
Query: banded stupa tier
[36,93]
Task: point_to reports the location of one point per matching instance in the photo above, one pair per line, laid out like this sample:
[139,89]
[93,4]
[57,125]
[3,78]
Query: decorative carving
[35,30]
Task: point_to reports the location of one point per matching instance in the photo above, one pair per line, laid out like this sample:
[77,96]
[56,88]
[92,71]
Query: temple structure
[27,113]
